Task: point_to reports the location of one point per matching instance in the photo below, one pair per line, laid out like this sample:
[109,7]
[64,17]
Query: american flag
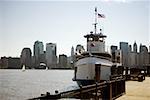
[101,16]
[92,44]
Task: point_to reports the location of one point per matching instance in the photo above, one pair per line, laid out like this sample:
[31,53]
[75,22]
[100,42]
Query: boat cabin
[95,42]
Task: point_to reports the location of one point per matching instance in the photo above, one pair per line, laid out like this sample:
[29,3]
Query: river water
[18,85]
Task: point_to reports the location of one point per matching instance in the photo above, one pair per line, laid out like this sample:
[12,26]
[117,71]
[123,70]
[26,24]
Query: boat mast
[95,20]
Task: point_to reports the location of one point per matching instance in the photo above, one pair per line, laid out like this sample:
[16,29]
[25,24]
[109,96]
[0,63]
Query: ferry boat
[93,65]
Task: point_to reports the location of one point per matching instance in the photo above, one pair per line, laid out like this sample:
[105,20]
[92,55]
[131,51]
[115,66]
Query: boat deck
[137,90]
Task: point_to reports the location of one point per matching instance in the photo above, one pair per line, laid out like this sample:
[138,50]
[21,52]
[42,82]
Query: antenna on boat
[95,20]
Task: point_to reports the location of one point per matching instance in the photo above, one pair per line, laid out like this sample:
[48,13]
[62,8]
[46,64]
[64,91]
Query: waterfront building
[124,49]
[38,52]
[10,63]
[79,49]
[63,61]
[14,63]
[51,58]
[26,57]
[4,62]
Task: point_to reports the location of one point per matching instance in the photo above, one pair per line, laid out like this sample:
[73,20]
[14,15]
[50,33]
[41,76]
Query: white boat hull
[86,70]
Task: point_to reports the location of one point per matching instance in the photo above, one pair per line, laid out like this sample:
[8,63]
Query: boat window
[101,39]
[96,39]
[90,39]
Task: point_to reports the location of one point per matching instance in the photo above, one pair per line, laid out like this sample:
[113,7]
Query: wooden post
[110,91]
[97,72]
[107,92]
[80,91]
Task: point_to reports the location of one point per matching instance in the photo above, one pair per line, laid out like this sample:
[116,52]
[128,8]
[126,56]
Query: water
[18,85]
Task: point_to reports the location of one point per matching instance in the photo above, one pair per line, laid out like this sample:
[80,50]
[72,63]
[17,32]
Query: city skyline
[66,22]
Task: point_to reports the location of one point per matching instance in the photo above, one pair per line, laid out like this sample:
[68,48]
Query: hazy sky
[66,22]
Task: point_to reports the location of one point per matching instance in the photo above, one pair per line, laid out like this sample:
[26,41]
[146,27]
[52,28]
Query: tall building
[132,60]
[63,61]
[72,58]
[72,55]
[38,51]
[140,49]
[51,58]
[130,48]
[143,56]
[118,55]
[135,47]
[124,49]
[113,52]
[26,57]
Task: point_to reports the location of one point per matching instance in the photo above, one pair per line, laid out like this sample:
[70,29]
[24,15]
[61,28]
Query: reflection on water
[15,84]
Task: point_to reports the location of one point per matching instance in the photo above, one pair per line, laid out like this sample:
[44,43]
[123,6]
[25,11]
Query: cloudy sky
[22,22]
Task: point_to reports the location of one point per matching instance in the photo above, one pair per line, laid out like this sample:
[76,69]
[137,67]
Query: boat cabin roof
[99,55]
[94,60]
[100,35]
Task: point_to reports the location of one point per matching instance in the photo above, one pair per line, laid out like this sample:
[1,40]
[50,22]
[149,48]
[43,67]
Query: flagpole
[95,20]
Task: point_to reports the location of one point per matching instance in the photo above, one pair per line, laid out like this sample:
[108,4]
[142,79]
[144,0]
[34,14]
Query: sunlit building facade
[38,51]
[51,58]
[26,57]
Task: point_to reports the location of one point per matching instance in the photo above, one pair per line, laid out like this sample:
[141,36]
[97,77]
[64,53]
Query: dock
[107,90]
[118,89]
[137,90]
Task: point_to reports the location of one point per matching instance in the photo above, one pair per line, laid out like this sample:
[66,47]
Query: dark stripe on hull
[85,82]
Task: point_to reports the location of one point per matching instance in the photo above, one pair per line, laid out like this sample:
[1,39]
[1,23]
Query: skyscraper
[26,57]
[124,48]
[134,47]
[51,58]
[143,56]
[113,52]
[38,51]
[63,61]
[72,55]
[130,48]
